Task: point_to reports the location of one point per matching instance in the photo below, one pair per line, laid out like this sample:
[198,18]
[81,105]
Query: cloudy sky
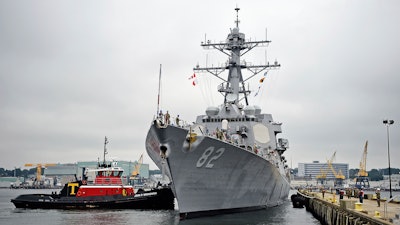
[72,72]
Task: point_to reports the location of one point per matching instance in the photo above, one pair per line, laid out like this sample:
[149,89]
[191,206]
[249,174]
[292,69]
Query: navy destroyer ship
[231,159]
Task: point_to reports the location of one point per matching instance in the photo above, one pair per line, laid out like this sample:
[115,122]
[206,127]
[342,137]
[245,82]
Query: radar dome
[249,110]
[257,109]
[212,111]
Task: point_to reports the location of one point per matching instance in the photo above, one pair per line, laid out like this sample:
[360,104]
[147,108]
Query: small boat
[106,191]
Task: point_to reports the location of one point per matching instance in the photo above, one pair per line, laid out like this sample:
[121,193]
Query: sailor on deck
[378,196]
[167,117]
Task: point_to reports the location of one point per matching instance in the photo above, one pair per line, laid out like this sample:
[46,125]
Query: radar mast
[234,88]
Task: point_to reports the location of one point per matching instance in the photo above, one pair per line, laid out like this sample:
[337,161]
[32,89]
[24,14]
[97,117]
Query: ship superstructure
[230,159]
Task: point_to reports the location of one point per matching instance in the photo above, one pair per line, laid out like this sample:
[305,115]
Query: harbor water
[9,215]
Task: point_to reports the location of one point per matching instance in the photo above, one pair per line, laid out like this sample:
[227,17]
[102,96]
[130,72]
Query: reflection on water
[284,214]
[117,217]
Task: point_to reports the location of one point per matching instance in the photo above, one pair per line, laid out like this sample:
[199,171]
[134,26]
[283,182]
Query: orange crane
[362,179]
[39,167]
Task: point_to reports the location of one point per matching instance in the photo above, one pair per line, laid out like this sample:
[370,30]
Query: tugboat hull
[156,199]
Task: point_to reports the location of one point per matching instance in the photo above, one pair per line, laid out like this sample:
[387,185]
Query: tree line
[17,172]
[374,174]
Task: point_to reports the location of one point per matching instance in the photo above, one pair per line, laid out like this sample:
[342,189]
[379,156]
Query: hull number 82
[209,156]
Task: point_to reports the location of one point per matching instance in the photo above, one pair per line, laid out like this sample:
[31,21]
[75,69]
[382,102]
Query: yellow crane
[136,171]
[363,163]
[339,177]
[362,179]
[39,167]
[321,176]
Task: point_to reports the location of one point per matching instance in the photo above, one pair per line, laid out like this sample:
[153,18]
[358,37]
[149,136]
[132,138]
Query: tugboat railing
[107,181]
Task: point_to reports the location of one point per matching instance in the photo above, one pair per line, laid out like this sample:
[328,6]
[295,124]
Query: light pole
[388,123]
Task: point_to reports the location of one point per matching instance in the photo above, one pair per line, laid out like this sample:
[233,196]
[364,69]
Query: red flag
[193,77]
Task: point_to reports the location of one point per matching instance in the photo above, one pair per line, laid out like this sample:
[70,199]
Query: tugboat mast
[235,47]
[105,150]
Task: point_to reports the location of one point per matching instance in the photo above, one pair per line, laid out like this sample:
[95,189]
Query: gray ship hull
[212,176]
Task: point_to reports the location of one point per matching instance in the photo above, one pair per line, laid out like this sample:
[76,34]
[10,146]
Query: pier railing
[332,213]
[386,205]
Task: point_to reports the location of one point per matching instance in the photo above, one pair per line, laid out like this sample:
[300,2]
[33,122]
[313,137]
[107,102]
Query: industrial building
[314,169]
[70,172]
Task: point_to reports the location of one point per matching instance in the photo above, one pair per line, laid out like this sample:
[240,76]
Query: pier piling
[346,211]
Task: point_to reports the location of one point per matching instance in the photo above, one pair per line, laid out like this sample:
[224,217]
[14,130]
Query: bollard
[334,198]
[358,206]
[347,203]
[377,214]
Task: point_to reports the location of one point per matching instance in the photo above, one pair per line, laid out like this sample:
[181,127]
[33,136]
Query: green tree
[385,171]
[375,175]
[353,173]
[17,172]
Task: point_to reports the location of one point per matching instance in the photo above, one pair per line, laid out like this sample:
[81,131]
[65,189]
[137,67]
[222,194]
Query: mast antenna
[105,150]
[159,88]
[237,17]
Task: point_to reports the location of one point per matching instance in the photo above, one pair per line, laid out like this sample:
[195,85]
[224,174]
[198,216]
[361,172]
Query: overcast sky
[72,72]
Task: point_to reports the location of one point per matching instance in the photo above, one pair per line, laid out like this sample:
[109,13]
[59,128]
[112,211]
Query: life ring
[84,182]
[79,193]
[124,192]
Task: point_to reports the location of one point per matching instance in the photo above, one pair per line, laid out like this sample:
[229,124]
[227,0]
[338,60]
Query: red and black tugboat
[106,191]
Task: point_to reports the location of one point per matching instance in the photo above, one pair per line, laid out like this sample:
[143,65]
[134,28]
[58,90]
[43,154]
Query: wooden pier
[332,210]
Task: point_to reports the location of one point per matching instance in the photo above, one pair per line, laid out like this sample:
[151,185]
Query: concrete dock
[333,210]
